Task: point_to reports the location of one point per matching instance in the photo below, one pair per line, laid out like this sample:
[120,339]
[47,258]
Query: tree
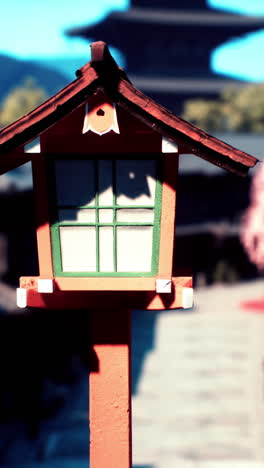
[20,101]
[237,109]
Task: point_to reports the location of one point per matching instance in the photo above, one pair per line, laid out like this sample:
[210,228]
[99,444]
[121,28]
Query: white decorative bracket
[187,298]
[168,146]
[45,285]
[163,286]
[21,298]
[101,119]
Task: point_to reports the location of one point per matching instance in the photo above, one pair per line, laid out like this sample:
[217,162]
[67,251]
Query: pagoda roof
[187,4]
[169,17]
[149,15]
[102,72]
[176,85]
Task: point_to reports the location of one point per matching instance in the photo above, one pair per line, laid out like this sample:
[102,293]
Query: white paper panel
[105,174]
[106,252]
[135,215]
[75,182]
[134,248]
[78,248]
[135,182]
[106,216]
[83,215]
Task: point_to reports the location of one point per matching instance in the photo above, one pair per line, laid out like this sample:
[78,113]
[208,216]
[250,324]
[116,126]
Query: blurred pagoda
[167,45]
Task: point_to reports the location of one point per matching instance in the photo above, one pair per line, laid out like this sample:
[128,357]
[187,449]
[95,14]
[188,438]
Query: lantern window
[106,219]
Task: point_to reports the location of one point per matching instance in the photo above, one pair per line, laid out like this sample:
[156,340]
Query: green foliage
[20,101]
[204,113]
[225,273]
[237,109]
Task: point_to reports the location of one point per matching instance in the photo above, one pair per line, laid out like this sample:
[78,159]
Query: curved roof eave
[102,70]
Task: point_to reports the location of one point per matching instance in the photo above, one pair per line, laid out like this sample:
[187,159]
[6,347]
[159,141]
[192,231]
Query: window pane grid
[97,248]
[120,223]
[96,183]
[114,207]
[106,207]
[114,215]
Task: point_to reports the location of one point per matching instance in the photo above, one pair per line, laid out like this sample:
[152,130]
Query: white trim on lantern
[169,146]
[87,125]
[21,298]
[187,298]
[163,286]
[45,285]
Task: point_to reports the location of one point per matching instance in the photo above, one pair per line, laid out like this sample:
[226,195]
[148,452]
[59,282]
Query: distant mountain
[66,66]
[14,71]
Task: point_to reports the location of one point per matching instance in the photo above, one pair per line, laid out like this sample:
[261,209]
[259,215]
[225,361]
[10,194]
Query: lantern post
[105,184]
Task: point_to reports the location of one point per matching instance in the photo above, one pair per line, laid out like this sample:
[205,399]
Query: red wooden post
[42,215]
[110,390]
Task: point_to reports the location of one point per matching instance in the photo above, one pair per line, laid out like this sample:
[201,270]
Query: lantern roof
[102,72]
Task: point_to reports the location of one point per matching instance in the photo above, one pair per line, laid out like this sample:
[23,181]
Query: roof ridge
[102,71]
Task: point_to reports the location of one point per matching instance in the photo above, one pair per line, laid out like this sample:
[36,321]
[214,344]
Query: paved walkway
[200,400]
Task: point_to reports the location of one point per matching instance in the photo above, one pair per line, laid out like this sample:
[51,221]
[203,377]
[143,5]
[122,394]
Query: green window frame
[57,224]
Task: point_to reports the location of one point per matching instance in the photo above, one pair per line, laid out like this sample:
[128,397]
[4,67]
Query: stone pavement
[200,399]
[198,388]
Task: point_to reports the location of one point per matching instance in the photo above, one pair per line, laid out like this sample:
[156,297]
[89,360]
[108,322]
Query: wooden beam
[110,390]
[42,215]
[167,230]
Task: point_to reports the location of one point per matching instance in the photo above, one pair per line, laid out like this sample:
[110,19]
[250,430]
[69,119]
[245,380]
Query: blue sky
[36,29]
[33,29]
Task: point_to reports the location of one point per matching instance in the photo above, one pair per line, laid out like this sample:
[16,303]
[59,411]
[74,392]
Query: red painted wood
[52,110]
[12,160]
[108,144]
[100,283]
[110,390]
[168,211]
[42,215]
[162,118]
[65,137]
[79,299]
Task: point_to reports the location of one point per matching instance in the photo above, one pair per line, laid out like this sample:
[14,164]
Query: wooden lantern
[105,189]
[105,195]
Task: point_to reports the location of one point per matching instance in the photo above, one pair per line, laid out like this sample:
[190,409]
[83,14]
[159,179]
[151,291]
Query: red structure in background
[105,186]
[252,236]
